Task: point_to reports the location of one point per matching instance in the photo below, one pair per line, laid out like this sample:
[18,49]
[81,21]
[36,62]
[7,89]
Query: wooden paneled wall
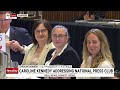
[64,16]
[112,14]
[60,15]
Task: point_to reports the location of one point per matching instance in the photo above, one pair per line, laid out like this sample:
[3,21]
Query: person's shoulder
[77,18]
[50,46]
[19,28]
[105,64]
[70,51]
[49,55]
[69,48]
[52,50]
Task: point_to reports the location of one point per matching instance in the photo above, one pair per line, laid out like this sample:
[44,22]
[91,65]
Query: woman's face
[93,44]
[41,33]
[59,38]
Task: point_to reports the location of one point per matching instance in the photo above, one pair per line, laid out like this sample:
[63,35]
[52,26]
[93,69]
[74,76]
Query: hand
[15,46]
[9,43]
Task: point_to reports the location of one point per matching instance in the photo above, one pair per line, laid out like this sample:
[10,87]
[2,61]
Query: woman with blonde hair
[96,50]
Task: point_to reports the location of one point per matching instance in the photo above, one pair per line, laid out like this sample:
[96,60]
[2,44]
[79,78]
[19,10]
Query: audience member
[13,33]
[96,51]
[90,16]
[63,54]
[87,15]
[35,53]
[100,14]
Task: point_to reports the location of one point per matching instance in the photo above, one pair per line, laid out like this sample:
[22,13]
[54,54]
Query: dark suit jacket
[22,36]
[68,57]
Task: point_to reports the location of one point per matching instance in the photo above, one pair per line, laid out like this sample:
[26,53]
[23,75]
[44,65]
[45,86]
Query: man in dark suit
[14,33]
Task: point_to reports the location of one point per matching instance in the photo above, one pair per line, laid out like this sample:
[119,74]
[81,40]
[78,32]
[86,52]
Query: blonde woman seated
[96,51]
[35,53]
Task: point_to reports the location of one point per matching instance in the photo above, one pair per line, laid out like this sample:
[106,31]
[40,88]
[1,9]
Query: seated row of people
[51,47]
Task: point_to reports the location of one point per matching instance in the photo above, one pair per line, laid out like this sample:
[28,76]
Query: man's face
[4,23]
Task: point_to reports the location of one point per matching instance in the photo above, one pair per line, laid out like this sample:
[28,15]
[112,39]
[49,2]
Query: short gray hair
[62,27]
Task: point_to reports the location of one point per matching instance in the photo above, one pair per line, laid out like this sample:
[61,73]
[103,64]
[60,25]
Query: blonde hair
[104,54]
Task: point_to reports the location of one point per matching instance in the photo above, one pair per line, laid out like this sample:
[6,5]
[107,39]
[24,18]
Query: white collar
[60,51]
[8,32]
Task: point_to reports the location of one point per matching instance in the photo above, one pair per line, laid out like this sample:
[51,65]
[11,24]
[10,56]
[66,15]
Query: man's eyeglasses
[4,20]
[59,36]
[40,31]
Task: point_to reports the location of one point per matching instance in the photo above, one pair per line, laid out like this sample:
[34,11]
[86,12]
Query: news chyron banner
[57,71]
[15,16]
[2,42]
